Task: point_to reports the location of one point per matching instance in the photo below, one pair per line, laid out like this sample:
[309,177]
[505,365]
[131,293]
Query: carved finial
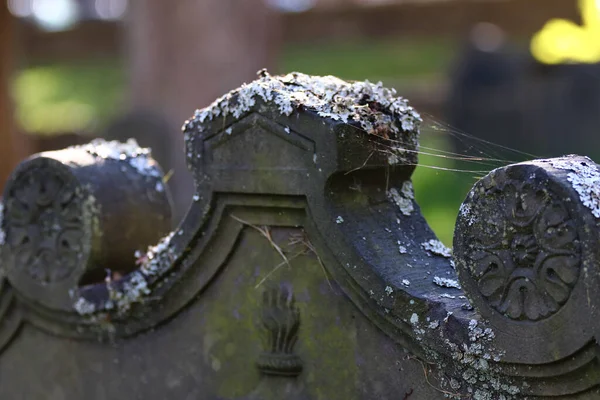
[520,244]
[280,321]
[64,217]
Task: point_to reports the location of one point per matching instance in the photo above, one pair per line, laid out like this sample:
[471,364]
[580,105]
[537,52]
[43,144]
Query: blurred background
[497,81]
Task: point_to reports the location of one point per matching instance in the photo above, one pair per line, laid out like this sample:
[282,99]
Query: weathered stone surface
[76,216]
[304,270]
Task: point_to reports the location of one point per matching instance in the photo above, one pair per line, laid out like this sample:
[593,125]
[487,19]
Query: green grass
[382,60]
[60,98]
[438,192]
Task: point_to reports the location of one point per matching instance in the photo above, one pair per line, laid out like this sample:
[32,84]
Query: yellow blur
[562,41]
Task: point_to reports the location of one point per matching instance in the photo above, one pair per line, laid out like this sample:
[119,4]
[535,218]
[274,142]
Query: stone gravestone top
[304,270]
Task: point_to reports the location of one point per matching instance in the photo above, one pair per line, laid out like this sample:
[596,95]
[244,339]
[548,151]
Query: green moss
[232,339]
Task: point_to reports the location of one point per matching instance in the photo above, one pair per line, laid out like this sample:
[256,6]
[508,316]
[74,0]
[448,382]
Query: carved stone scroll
[76,216]
[526,253]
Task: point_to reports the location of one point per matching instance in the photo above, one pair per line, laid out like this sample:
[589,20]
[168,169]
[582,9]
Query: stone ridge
[372,107]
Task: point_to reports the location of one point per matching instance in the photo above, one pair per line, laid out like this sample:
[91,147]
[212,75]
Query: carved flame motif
[43,225]
[526,255]
[280,321]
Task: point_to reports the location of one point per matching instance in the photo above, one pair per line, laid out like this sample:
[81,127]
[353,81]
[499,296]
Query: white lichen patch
[476,332]
[403,198]
[136,289]
[84,307]
[479,376]
[465,212]
[585,179]
[393,159]
[376,109]
[407,190]
[138,157]
[436,247]
[414,319]
[153,263]
[389,290]
[447,296]
[445,282]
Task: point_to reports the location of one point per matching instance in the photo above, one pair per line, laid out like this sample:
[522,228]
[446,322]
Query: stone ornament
[526,254]
[63,214]
[280,321]
[45,224]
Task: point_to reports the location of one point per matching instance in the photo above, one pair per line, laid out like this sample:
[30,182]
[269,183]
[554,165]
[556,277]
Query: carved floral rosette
[524,253]
[46,224]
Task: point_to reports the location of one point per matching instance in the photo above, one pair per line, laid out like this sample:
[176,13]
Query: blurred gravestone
[567,116]
[507,98]
[483,100]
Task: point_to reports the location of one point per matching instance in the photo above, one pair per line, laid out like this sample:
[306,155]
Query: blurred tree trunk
[184,54]
[12,147]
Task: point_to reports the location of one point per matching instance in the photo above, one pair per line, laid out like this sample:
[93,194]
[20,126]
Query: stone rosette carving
[279,323]
[523,253]
[44,224]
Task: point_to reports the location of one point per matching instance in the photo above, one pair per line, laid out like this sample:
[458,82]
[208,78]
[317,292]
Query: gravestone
[304,270]
[506,97]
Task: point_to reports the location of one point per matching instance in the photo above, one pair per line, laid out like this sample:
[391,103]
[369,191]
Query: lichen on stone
[445,282]
[436,247]
[369,105]
[138,157]
[403,198]
[585,179]
[414,318]
[83,306]
[465,212]
[122,295]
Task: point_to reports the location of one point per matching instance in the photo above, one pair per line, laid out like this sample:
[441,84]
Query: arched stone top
[317,169]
